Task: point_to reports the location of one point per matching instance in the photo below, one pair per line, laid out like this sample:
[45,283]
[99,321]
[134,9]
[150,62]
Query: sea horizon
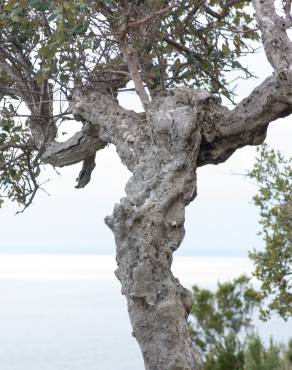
[66,312]
[94,266]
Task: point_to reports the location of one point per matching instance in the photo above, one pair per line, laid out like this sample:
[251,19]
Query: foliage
[257,357]
[273,174]
[288,356]
[226,355]
[17,173]
[220,319]
[221,327]
[199,42]
[221,316]
[192,43]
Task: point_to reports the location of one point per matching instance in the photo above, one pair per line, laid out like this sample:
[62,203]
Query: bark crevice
[149,226]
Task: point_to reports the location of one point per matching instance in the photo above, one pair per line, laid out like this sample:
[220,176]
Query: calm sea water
[66,312]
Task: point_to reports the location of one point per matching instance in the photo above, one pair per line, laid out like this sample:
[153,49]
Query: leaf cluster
[61,40]
[221,327]
[224,313]
[193,44]
[18,167]
[273,175]
[203,42]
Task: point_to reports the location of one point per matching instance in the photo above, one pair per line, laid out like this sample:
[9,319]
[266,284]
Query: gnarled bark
[149,226]
[149,223]
[163,149]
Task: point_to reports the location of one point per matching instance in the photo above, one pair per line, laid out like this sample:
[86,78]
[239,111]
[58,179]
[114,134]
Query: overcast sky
[221,220]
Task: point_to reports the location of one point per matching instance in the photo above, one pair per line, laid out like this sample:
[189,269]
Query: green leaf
[47,52]
[235,64]
[52,17]
[80,28]
[226,50]
[96,44]
[41,5]
[64,77]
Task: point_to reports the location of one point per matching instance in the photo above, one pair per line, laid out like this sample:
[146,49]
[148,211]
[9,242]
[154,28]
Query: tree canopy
[49,47]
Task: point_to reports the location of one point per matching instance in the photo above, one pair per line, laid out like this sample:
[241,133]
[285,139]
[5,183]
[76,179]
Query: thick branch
[104,122]
[76,149]
[225,131]
[132,61]
[100,113]
[276,42]
[86,171]
[114,124]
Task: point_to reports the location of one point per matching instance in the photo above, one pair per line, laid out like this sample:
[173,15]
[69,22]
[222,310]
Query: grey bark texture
[163,148]
[161,151]
[149,225]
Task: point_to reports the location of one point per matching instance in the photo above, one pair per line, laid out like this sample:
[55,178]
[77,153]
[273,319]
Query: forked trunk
[162,148]
[149,226]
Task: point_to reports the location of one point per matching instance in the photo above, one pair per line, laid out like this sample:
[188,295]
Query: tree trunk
[162,148]
[149,226]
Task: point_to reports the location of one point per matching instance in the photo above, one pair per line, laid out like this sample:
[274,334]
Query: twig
[15,146]
[35,184]
[149,17]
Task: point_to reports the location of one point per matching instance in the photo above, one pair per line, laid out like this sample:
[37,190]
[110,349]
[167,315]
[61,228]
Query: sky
[222,221]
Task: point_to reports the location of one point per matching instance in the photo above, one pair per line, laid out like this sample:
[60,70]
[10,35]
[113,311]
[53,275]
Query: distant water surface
[65,312]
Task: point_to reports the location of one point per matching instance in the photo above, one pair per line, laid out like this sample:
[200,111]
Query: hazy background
[60,303]
[66,312]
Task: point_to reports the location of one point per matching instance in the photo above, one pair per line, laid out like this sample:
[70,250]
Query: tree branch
[149,17]
[132,62]
[276,42]
[111,123]
[225,10]
[24,147]
[86,171]
[225,131]
[7,69]
[76,149]
[105,121]
[198,57]
[35,185]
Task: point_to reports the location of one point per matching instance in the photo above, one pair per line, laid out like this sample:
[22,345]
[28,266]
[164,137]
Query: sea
[66,312]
